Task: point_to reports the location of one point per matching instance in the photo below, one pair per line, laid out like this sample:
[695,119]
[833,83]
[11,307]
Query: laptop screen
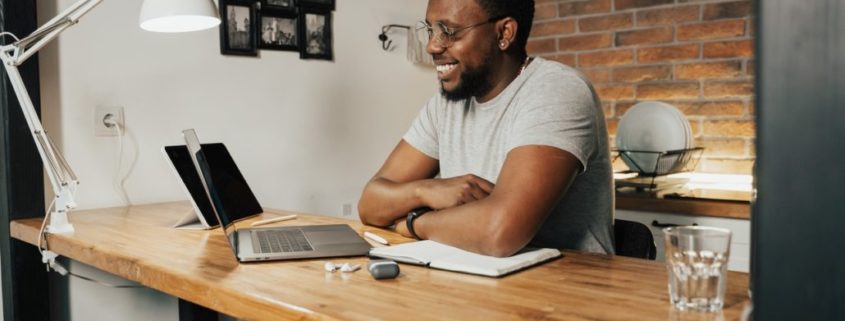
[230,195]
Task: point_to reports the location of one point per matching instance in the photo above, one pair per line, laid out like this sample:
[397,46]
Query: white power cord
[119,178]
[49,257]
[6,33]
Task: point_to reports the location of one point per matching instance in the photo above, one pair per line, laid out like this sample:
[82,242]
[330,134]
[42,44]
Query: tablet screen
[184,166]
[235,196]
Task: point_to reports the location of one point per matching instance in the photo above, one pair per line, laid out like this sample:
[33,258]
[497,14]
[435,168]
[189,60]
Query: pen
[274,220]
[376,238]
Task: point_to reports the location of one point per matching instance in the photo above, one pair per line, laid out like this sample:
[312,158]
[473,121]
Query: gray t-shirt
[548,104]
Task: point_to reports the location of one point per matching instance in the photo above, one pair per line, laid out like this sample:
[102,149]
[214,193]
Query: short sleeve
[560,113]
[424,132]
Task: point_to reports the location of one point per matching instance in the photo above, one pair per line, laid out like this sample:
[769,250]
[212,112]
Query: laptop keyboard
[282,241]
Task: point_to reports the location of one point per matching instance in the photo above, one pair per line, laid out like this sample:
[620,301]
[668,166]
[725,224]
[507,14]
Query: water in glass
[697,260]
[696,280]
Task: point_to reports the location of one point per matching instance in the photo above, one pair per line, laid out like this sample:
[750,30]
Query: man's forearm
[484,227]
[384,201]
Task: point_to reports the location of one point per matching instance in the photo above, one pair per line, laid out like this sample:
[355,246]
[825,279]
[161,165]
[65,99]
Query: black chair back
[634,239]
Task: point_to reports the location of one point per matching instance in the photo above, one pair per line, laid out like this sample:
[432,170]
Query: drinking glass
[697,262]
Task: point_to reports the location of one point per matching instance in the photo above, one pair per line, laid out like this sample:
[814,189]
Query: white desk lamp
[178,15]
[156,15]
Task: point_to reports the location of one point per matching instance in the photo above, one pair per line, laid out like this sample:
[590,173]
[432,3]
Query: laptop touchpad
[331,237]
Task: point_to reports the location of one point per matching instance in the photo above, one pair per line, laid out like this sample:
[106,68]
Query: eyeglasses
[444,35]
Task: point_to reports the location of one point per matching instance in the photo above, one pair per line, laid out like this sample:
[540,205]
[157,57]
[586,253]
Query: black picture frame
[318,4]
[286,5]
[279,30]
[315,34]
[242,17]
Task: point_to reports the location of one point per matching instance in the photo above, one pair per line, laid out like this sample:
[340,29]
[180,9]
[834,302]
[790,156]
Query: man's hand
[402,228]
[445,193]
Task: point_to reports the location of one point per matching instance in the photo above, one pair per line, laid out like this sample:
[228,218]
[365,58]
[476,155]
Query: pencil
[274,220]
[376,238]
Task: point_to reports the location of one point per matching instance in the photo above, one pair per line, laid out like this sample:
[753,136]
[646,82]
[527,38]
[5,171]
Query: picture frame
[238,30]
[279,30]
[318,4]
[315,34]
[285,5]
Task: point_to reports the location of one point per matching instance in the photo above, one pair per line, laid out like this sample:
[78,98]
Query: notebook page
[493,266]
[422,252]
[446,257]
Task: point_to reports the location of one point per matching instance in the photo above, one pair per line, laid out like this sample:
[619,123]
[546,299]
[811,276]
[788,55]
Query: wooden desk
[138,244]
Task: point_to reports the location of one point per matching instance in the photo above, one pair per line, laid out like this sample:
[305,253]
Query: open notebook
[444,257]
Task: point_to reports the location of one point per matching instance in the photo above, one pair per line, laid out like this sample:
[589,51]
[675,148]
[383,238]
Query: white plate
[688,132]
[652,126]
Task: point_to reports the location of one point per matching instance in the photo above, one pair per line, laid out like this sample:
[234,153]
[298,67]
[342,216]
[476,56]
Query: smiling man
[513,151]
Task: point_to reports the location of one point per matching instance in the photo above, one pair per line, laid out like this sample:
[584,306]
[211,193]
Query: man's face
[464,68]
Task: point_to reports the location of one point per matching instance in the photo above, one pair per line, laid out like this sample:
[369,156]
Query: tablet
[238,198]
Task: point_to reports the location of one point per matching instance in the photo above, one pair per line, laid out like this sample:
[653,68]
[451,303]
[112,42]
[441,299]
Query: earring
[503,44]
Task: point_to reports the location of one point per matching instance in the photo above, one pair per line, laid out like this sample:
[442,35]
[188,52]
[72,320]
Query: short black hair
[520,10]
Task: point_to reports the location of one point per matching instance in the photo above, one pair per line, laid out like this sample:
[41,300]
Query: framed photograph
[318,4]
[316,34]
[238,28]
[278,31]
[289,5]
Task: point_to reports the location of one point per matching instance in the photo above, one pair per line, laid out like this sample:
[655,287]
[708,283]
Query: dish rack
[648,165]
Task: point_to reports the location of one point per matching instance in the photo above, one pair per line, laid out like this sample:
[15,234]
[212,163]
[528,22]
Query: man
[512,151]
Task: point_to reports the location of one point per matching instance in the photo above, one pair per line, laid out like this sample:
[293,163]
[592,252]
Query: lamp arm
[62,178]
[47,32]
[67,13]
[45,148]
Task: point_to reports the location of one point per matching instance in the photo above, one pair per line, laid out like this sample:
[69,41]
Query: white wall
[307,135]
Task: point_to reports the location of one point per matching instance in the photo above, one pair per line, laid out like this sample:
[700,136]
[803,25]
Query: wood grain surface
[699,207]
[139,244]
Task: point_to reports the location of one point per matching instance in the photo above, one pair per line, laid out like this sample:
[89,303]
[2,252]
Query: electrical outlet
[101,113]
[347,209]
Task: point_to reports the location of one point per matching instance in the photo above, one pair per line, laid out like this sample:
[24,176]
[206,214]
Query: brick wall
[694,54]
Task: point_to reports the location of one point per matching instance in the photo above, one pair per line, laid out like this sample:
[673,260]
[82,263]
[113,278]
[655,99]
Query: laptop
[221,179]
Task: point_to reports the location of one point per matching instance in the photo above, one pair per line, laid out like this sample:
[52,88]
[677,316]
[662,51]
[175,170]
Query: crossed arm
[470,212]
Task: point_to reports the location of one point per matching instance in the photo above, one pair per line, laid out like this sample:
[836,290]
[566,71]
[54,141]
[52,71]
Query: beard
[473,83]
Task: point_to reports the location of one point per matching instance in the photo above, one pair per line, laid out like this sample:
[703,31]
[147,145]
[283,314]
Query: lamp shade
[178,15]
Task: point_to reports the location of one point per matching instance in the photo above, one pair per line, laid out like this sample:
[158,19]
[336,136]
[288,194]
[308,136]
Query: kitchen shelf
[734,209]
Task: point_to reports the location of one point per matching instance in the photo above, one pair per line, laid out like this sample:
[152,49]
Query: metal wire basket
[652,164]
[649,166]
